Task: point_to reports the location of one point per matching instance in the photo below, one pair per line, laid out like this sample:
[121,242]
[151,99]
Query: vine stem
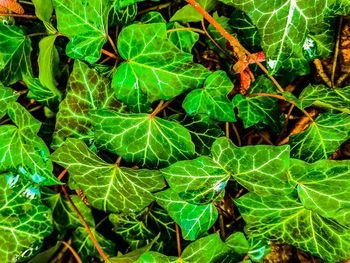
[74,253]
[238,49]
[161,106]
[155,8]
[336,51]
[109,54]
[112,44]
[178,241]
[19,15]
[186,29]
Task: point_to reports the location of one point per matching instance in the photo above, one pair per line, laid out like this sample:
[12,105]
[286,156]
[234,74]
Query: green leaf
[238,243]
[285,220]
[194,220]
[322,137]
[85,247]
[257,109]
[86,91]
[283,26]
[43,9]
[183,39]
[84,23]
[15,49]
[24,221]
[262,169]
[189,14]
[153,17]
[7,96]
[197,181]
[142,138]
[107,186]
[212,98]
[48,63]
[324,97]
[122,16]
[323,187]
[148,76]
[155,257]
[22,150]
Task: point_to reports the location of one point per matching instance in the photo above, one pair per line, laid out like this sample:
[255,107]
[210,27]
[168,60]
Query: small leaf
[285,220]
[7,96]
[183,39]
[212,98]
[194,220]
[324,187]
[24,220]
[322,96]
[189,14]
[322,138]
[84,23]
[142,138]
[43,9]
[148,76]
[86,91]
[262,169]
[107,186]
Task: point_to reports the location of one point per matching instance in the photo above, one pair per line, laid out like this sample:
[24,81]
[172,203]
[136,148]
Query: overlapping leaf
[189,14]
[86,91]
[155,68]
[183,39]
[322,96]
[194,220]
[212,98]
[24,220]
[324,187]
[262,169]
[7,95]
[84,23]
[22,150]
[322,137]
[142,138]
[121,16]
[15,50]
[107,186]
[285,220]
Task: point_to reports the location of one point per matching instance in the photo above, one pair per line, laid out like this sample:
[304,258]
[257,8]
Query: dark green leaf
[121,16]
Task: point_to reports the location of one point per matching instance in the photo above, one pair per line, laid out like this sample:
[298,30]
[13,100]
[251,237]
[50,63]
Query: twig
[178,241]
[227,129]
[19,15]
[109,54]
[161,106]
[62,174]
[96,244]
[234,128]
[321,72]
[112,44]
[155,8]
[336,51]
[74,253]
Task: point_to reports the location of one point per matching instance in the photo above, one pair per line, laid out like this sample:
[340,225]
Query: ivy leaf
[155,257]
[189,14]
[142,138]
[212,98]
[21,149]
[7,96]
[197,181]
[323,188]
[43,9]
[283,26]
[15,49]
[148,76]
[24,220]
[257,109]
[262,169]
[85,247]
[194,220]
[183,39]
[84,23]
[322,96]
[321,138]
[86,91]
[107,186]
[153,17]
[285,220]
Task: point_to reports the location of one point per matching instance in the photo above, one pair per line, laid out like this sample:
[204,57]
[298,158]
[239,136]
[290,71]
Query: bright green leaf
[189,14]
[107,186]
[7,95]
[194,220]
[142,138]
[183,39]
[155,257]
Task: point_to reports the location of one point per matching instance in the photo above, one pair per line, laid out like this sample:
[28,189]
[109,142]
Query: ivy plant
[174,131]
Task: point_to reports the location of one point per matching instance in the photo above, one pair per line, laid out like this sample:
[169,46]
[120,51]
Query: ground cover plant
[174,131]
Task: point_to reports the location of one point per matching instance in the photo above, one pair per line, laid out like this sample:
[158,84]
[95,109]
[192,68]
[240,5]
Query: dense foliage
[141,131]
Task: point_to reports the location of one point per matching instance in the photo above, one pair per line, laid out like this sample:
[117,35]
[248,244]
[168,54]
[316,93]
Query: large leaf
[142,138]
[194,220]
[322,96]
[324,187]
[147,75]
[212,98]
[262,169]
[15,50]
[284,25]
[322,137]
[84,23]
[197,181]
[7,95]
[21,149]
[24,221]
[285,220]
[86,91]
[107,186]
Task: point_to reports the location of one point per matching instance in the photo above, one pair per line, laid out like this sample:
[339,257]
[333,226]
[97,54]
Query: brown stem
[96,244]
[161,106]
[186,29]
[336,51]
[117,162]
[74,253]
[178,240]
[234,128]
[112,44]
[227,129]
[238,49]
[155,8]
[62,174]
[19,15]
[109,54]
